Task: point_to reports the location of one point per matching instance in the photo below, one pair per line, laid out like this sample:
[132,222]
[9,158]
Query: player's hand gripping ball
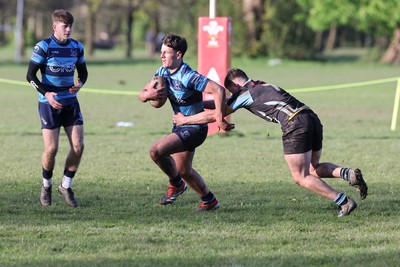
[160,84]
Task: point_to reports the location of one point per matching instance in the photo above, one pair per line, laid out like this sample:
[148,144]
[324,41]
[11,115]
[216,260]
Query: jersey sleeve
[243,100]
[81,56]
[195,81]
[39,53]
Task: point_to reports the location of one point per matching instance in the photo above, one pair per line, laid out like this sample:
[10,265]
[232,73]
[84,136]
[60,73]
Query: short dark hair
[63,16]
[176,42]
[232,74]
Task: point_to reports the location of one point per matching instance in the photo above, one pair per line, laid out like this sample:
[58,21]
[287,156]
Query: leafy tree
[283,35]
[382,18]
[6,17]
[324,15]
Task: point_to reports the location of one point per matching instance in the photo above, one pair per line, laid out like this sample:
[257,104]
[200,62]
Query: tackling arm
[219,101]
[206,116]
[199,118]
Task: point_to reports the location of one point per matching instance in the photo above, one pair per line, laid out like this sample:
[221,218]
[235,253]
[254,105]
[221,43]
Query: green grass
[264,219]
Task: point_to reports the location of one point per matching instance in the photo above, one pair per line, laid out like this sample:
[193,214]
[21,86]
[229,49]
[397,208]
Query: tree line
[296,29]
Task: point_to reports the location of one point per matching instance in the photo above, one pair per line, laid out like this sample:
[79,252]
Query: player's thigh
[51,138]
[167,145]
[75,135]
[315,157]
[299,163]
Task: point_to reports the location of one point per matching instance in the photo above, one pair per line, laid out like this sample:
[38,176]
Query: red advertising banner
[214,52]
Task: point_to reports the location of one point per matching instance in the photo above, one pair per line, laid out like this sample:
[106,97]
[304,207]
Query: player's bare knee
[78,149]
[298,179]
[186,174]
[51,151]
[154,153]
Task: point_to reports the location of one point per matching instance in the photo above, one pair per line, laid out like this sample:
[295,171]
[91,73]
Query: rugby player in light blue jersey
[57,58]
[174,153]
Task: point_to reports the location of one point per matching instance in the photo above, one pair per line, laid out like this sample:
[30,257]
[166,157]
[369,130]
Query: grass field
[264,219]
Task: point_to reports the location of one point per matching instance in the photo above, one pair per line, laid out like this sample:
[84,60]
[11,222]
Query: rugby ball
[158,83]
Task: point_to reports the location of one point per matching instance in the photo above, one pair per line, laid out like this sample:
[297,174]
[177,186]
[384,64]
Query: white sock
[66,182]
[47,182]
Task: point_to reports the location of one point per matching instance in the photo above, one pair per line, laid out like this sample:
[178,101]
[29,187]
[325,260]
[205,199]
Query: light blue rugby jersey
[57,65]
[185,92]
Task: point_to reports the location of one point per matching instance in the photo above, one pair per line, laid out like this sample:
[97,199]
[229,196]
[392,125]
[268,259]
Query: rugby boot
[172,193]
[356,179]
[68,195]
[345,209]
[45,196]
[213,205]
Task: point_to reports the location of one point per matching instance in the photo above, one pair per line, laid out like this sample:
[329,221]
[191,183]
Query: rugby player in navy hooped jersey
[57,57]
[301,135]
[174,153]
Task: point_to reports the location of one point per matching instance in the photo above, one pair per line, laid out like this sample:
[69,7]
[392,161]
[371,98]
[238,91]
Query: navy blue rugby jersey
[57,63]
[185,90]
[267,101]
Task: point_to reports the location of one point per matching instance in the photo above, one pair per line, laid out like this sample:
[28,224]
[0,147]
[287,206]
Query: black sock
[177,181]
[69,174]
[208,198]
[47,174]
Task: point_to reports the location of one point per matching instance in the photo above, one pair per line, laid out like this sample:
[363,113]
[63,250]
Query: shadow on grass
[101,204]
[265,258]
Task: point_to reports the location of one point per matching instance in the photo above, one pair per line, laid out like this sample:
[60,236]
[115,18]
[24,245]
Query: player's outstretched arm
[219,100]
[206,116]
[200,118]
[209,104]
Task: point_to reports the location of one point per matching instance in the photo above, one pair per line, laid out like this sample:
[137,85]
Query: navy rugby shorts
[69,115]
[304,132]
[191,137]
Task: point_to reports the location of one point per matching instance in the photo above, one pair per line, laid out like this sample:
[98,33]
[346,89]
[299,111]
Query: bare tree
[92,7]
[132,6]
[330,42]
[392,54]
[253,11]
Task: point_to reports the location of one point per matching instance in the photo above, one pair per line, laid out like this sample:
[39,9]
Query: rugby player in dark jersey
[57,58]
[301,135]
[174,153]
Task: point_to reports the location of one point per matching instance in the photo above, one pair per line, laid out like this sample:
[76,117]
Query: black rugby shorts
[304,132]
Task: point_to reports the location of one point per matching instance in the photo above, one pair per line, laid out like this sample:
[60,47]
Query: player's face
[170,58]
[237,84]
[62,31]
